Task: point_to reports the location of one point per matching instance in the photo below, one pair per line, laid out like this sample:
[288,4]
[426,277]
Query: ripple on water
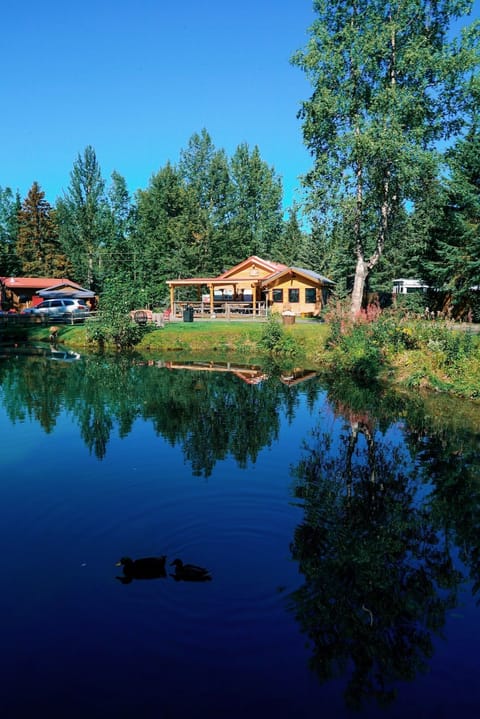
[244,541]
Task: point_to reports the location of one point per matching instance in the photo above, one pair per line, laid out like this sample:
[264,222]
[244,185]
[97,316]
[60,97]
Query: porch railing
[223,310]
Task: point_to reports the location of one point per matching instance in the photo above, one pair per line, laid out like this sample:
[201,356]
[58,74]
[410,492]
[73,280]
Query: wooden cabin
[20,292]
[253,288]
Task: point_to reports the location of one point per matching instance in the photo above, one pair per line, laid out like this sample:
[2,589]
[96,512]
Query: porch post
[172,299]
[211,299]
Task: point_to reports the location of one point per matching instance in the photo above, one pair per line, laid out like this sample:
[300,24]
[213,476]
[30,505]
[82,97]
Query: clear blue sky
[136,79]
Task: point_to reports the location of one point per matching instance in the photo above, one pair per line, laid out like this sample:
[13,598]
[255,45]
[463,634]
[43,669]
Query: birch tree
[388,85]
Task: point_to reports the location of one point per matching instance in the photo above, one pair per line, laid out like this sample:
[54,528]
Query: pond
[341,528]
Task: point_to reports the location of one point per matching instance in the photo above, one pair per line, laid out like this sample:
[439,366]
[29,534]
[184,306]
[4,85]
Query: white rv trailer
[404,286]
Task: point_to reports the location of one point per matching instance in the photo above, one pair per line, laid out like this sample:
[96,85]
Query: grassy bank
[409,353]
[239,338]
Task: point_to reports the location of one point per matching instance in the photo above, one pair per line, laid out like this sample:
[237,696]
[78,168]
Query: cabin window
[293,294]
[277,295]
[310,295]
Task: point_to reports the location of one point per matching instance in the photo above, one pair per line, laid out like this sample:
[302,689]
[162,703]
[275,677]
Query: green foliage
[272,334]
[388,84]
[292,246]
[453,259]
[205,175]
[361,349]
[119,252]
[114,330]
[112,325]
[84,220]
[255,205]
[411,303]
[204,215]
[38,246]
[458,346]
[276,341]
[392,333]
[9,206]
[162,233]
[357,355]
[352,348]
[445,359]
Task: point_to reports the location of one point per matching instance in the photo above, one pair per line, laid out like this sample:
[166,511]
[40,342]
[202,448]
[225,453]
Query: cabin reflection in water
[251,374]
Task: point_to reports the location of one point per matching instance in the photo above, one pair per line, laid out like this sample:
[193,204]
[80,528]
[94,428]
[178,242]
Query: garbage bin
[188,314]
[140,317]
[288,318]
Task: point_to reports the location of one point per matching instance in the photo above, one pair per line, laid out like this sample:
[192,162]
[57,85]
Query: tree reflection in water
[377,561]
[209,414]
[386,506]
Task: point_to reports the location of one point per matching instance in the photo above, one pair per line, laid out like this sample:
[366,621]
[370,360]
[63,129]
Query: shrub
[272,334]
[411,304]
[118,330]
[393,333]
[113,324]
[275,340]
[357,355]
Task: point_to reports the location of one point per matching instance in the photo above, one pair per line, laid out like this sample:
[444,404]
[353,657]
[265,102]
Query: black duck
[143,568]
[190,572]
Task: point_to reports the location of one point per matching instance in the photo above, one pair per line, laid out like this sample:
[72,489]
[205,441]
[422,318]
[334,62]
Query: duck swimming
[143,568]
[190,572]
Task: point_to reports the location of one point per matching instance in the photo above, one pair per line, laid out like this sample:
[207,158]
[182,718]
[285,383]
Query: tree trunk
[361,273]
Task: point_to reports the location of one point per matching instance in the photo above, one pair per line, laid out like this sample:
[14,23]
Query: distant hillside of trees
[209,211]
[196,217]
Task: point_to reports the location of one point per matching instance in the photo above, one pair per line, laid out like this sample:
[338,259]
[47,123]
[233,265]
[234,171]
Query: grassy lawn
[425,366]
[203,337]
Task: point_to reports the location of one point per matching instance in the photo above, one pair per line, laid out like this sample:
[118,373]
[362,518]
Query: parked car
[67,309]
[62,355]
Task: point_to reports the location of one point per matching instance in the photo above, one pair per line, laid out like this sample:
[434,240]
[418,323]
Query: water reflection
[210,414]
[382,523]
[383,513]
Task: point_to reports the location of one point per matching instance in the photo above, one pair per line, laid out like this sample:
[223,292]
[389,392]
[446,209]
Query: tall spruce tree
[38,247]
[387,85]
[82,215]
[9,207]
[454,259]
[255,205]
[204,170]
[119,245]
[288,247]
[162,232]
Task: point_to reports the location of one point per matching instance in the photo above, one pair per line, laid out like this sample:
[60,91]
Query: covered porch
[218,298]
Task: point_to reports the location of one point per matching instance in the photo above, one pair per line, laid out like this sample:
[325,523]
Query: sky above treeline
[137,79]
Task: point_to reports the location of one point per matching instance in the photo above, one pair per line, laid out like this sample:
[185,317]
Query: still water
[341,528]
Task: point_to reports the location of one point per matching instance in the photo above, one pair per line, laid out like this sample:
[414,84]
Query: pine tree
[454,262]
[83,219]
[38,247]
[289,246]
[163,232]
[255,205]
[119,246]
[9,207]
[204,171]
